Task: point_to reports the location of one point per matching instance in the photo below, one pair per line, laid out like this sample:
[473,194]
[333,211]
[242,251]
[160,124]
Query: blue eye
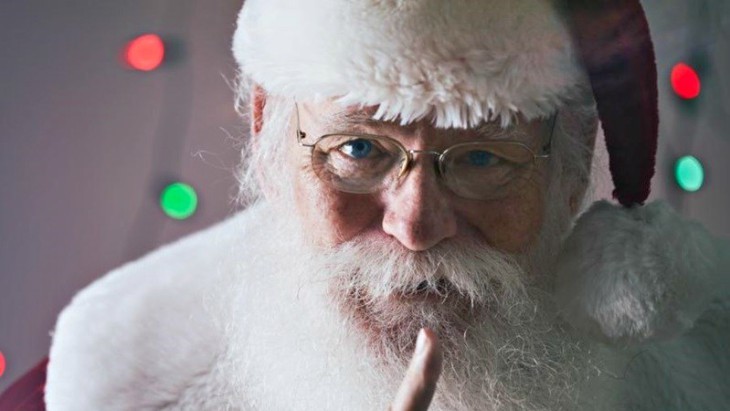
[358,149]
[480,158]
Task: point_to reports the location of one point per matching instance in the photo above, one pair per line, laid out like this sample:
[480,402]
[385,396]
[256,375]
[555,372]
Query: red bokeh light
[2,364]
[145,53]
[685,81]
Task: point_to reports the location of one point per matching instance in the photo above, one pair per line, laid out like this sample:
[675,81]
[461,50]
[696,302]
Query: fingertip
[426,338]
[429,335]
[422,341]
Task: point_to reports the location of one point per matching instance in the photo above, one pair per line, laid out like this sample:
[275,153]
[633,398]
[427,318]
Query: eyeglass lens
[366,164]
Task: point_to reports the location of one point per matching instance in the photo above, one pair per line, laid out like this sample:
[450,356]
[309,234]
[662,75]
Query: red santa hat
[628,272]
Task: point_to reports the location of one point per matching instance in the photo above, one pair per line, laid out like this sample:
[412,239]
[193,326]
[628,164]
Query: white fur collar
[181,329]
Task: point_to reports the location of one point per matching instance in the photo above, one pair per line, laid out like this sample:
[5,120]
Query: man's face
[414,254]
[418,211]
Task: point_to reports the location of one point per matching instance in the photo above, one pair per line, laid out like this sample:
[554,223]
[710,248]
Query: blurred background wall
[87,144]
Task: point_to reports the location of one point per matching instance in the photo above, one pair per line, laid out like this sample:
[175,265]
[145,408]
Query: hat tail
[614,44]
[629,275]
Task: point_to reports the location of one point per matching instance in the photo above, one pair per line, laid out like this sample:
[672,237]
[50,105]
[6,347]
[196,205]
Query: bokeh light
[689,173]
[685,81]
[179,201]
[145,52]
[2,364]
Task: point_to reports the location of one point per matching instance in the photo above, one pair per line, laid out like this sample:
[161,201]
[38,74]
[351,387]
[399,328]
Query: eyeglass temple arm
[546,149]
[300,134]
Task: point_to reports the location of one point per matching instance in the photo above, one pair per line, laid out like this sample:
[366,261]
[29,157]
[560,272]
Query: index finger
[418,386]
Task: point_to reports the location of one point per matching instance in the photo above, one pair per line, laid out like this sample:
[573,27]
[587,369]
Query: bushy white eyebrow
[364,117]
[350,118]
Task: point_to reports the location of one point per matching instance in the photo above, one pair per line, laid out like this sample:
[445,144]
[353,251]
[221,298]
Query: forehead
[336,118]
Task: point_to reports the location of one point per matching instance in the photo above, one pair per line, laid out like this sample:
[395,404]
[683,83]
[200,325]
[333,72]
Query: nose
[417,212]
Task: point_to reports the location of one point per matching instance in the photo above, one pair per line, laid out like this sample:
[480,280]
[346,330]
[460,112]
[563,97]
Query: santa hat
[629,272]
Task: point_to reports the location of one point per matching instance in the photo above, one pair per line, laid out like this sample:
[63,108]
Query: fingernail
[421,342]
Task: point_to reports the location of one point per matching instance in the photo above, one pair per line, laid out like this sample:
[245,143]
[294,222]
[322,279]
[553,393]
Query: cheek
[331,217]
[511,224]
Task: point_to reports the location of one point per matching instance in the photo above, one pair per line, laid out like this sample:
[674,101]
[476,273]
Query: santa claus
[417,174]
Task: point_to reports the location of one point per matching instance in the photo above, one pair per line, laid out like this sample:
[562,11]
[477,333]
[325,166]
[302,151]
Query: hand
[418,386]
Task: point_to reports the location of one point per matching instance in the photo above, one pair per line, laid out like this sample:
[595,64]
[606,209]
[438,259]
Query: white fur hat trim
[457,62]
[629,275]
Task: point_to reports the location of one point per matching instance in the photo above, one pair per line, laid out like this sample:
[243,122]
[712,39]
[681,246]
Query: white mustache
[382,268]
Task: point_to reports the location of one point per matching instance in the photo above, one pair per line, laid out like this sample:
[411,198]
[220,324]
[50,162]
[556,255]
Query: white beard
[300,343]
[502,343]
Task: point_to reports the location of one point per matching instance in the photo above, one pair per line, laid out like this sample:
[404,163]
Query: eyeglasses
[367,163]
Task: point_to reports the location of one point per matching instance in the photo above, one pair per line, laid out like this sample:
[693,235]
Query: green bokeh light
[179,201]
[689,173]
